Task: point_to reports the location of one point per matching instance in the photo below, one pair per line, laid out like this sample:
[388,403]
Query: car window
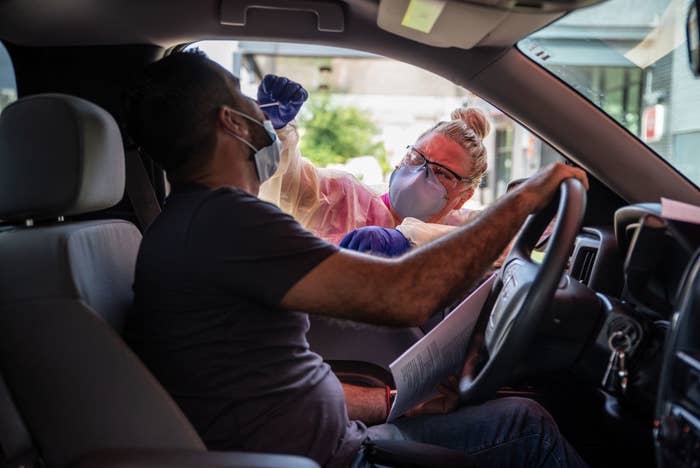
[629,58]
[364,110]
[8,86]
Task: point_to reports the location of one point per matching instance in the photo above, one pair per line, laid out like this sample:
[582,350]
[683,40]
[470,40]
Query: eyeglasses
[450,178]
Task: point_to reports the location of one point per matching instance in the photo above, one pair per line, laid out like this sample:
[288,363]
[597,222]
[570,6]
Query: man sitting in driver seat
[224,283]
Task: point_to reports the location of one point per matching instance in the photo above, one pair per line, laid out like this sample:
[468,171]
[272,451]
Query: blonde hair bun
[474,118]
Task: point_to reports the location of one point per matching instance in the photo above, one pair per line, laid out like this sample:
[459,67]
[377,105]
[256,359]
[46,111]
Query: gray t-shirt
[211,271]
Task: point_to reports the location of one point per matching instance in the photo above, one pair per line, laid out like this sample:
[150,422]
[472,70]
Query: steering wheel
[521,295]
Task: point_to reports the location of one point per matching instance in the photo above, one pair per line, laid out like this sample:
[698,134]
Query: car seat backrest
[62,284]
[92,261]
[59,156]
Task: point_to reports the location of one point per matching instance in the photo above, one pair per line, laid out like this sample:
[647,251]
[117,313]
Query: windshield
[629,58]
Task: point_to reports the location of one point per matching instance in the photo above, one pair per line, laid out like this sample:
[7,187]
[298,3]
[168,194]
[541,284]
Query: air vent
[583,264]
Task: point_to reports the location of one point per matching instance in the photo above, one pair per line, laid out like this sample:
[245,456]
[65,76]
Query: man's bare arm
[406,291]
[366,404]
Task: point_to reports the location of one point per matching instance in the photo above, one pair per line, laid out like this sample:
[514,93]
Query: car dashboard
[645,274]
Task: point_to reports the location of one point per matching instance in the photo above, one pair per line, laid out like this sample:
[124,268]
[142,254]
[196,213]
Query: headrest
[59,155]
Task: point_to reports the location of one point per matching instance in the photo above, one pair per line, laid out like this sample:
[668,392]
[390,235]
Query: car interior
[601,331]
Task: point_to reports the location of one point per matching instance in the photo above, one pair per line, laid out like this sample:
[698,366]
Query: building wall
[685,118]
[685,96]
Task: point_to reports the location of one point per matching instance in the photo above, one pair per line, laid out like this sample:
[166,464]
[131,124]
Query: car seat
[64,290]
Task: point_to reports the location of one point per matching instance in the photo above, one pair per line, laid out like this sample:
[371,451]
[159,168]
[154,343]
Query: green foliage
[332,133]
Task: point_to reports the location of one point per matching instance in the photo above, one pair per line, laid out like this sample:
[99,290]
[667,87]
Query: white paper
[679,211]
[437,355]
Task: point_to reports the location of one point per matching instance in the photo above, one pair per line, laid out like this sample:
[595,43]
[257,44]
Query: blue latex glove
[375,239]
[284,96]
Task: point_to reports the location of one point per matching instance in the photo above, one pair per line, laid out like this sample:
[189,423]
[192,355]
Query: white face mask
[267,158]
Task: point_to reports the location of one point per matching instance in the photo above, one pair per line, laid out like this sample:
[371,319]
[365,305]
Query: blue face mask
[267,158]
[415,191]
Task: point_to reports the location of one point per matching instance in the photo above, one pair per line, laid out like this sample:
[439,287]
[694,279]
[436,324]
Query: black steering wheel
[521,295]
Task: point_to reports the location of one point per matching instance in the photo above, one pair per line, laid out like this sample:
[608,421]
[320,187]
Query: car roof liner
[166,23]
[54,23]
[348,24]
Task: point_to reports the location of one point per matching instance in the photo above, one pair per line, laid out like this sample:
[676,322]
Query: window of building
[617,90]
[8,85]
[504,159]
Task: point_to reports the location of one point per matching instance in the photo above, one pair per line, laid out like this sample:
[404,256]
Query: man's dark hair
[171,110]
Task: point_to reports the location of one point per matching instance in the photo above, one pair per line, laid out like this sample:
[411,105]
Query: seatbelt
[140,189]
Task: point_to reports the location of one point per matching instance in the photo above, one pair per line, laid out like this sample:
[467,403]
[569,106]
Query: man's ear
[233,123]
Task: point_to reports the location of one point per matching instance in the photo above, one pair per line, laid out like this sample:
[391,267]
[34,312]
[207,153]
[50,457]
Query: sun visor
[454,23]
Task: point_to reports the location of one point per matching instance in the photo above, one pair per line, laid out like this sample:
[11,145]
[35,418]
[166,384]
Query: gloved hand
[289,94]
[375,239]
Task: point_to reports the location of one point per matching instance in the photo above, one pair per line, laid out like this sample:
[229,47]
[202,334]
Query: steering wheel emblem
[508,287]
[510,281]
[510,284]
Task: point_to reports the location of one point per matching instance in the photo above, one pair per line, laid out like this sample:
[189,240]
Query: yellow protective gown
[330,203]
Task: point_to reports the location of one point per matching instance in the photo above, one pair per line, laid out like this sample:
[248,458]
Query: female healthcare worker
[437,175]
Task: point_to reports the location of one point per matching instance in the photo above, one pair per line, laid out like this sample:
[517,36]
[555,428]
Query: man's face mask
[267,158]
[415,191]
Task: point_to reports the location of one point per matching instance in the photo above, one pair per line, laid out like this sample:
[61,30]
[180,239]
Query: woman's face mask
[415,191]
[267,158]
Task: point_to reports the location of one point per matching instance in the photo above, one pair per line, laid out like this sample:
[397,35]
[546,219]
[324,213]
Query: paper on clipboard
[440,353]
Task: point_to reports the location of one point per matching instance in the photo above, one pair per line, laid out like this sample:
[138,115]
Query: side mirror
[693,37]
